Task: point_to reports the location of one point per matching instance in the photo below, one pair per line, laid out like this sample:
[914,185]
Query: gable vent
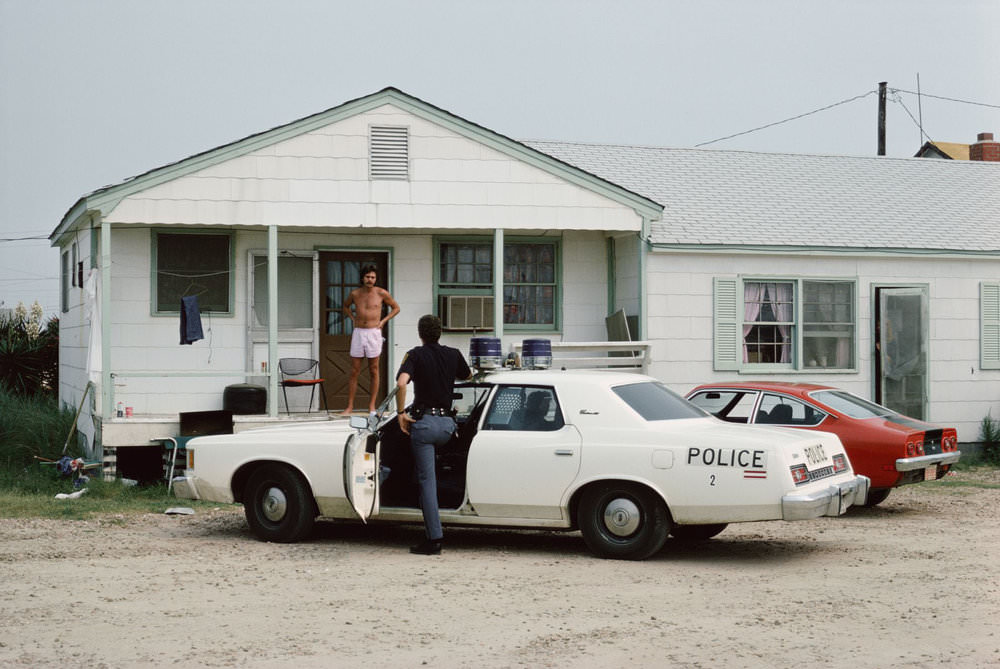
[389,152]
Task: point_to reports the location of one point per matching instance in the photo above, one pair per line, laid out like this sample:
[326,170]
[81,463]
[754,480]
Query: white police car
[617,456]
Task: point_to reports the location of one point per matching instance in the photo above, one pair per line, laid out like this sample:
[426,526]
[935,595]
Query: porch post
[498,282]
[272,321]
[610,271]
[107,383]
[643,292]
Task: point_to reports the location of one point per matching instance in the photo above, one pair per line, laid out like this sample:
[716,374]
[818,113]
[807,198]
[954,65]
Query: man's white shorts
[366,343]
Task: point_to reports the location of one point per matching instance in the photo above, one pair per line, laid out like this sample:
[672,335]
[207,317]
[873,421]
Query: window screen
[295,292]
[193,265]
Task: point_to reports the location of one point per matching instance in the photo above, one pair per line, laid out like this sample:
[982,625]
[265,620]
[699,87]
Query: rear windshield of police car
[654,401]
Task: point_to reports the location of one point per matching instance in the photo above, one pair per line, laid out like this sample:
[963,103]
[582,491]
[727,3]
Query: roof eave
[105,199]
[766,249]
[69,220]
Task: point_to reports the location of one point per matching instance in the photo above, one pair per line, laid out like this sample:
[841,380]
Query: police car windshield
[654,401]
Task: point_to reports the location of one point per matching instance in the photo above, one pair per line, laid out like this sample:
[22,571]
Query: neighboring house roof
[947,150]
[785,201]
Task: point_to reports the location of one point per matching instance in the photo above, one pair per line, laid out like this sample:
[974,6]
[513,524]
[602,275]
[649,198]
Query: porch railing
[616,355]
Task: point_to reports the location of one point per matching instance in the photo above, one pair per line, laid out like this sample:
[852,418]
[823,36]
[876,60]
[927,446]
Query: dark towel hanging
[190,320]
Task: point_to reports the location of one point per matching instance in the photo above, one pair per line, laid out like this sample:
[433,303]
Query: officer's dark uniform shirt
[433,368]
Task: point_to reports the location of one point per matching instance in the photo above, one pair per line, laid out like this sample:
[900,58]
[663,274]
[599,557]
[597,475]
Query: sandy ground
[912,583]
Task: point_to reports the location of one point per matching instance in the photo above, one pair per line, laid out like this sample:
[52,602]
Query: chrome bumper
[909,464]
[832,501]
[184,487]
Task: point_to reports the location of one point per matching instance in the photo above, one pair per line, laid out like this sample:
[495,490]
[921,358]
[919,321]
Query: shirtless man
[366,341]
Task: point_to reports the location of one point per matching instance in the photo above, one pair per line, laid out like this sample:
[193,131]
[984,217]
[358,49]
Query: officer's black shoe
[427,547]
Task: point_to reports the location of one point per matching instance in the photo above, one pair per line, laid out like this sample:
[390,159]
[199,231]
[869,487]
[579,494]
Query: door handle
[589,412]
[564,451]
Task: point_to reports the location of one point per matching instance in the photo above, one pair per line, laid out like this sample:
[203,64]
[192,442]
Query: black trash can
[245,398]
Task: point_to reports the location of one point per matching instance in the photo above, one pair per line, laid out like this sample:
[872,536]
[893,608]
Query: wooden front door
[340,273]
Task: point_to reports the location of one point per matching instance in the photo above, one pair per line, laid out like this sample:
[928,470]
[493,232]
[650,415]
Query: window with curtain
[768,322]
[781,324]
[530,290]
[828,324]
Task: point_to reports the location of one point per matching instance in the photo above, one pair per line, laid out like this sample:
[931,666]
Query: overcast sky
[93,92]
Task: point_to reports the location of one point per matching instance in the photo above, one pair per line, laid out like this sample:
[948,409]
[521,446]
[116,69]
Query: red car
[889,448]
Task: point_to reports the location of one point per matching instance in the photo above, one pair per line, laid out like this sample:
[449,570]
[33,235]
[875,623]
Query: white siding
[960,393]
[74,337]
[320,179]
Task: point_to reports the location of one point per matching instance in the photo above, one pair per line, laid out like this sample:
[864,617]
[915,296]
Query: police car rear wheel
[623,521]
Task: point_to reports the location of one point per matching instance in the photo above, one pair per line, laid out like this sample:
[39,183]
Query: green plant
[32,426]
[989,435]
[30,492]
[29,352]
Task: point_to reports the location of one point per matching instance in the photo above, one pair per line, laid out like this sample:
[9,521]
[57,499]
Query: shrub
[31,426]
[989,435]
[29,353]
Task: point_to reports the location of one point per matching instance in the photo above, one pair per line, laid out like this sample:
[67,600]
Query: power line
[941,97]
[793,118]
[899,101]
[21,239]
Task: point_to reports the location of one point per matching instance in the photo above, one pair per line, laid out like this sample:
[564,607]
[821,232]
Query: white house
[732,264]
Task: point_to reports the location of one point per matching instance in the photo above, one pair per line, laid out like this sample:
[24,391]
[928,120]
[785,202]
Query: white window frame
[728,308]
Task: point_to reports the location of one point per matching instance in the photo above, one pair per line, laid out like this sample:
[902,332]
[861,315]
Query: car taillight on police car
[800,474]
[839,463]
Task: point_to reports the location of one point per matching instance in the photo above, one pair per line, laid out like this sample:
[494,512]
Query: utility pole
[881,118]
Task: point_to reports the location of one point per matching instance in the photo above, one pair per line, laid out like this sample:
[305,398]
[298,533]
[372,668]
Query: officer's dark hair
[429,328]
[367,269]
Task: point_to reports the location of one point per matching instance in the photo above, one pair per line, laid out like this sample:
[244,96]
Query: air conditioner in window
[467,312]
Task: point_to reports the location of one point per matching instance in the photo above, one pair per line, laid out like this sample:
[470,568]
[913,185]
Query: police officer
[433,368]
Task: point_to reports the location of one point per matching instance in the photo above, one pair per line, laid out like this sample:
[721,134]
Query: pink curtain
[781,302]
[753,295]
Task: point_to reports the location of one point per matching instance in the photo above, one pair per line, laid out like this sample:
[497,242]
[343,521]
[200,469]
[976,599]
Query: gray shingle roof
[771,199]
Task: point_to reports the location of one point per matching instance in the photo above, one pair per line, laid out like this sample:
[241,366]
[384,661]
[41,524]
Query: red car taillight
[800,474]
[914,448]
[839,463]
[949,443]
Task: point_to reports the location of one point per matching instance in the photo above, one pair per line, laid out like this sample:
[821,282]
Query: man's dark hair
[429,328]
[368,269]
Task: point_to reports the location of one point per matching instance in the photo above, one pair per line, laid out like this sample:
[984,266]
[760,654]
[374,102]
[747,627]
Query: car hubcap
[621,517]
[274,504]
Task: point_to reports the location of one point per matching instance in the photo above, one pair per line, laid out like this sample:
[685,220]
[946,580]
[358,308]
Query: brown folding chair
[294,373]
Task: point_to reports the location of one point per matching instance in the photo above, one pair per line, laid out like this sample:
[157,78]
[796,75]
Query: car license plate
[930,473]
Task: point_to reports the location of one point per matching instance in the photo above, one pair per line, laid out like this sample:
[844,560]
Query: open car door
[361,456]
